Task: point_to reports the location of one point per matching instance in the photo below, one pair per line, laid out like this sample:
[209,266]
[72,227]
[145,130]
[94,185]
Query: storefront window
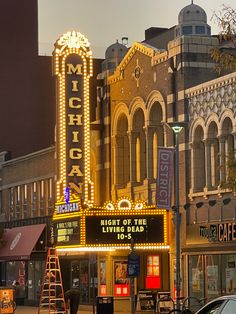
[213,288]
[15,276]
[196,276]
[153,272]
[212,275]
[35,276]
[229,274]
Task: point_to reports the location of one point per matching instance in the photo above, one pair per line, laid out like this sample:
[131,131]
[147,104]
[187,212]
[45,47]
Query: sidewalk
[34,310]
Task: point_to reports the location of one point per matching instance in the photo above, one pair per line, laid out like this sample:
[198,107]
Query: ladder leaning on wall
[52,299]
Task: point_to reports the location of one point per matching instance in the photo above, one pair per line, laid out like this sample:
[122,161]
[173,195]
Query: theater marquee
[113,226]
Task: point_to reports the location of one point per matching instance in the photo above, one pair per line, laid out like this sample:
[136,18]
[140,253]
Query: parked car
[221,305]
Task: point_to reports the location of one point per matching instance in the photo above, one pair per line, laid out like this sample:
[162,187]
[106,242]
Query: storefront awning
[19,242]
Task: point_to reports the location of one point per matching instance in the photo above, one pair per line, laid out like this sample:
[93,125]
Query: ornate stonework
[214,96]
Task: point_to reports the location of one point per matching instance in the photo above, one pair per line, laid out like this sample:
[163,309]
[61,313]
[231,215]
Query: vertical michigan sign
[73,68]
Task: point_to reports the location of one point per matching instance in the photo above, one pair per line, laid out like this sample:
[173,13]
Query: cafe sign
[222,232]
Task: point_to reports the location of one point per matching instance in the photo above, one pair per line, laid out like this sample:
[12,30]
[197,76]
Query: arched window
[214,165]
[122,159]
[156,137]
[198,161]
[140,145]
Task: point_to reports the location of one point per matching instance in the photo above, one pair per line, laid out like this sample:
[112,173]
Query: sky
[104,22]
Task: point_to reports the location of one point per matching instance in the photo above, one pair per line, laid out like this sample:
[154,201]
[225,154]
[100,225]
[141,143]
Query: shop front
[211,259]
[95,244]
[23,261]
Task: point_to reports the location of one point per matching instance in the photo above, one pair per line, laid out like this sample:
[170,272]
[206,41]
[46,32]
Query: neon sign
[73,69]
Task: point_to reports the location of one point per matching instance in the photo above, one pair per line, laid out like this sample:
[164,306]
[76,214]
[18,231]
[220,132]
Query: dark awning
[20,241]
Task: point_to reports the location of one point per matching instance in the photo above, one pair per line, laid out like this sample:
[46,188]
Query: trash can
[105,305]
[7,303]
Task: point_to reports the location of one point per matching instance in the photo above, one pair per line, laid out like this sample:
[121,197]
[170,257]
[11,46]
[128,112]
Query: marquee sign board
[121,229]
[113,225]
[67,231]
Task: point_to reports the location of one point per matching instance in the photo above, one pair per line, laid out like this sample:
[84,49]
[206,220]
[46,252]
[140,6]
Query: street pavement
[34,310]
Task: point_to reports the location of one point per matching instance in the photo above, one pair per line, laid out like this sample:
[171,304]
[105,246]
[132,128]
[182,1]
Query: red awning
[20,241]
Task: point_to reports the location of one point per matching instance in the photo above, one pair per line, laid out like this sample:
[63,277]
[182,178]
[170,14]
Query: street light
[177,128]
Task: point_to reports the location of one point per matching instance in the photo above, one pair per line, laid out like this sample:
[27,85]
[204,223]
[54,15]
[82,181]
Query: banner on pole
[164,177]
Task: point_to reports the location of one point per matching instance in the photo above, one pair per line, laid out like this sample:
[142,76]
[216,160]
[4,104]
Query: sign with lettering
[75,119]
[164,177]
[121,229]
[73,68]
[67,231]
[67,208]
[222,232]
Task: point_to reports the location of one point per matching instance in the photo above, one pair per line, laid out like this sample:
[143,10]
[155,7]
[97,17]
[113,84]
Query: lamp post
[177,128]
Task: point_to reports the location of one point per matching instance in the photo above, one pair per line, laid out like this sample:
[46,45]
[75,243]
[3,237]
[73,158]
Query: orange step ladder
[52,299]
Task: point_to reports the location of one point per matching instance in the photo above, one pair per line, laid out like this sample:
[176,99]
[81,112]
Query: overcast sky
[105,21]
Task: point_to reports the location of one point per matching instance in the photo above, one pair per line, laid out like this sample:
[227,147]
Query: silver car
[221,305]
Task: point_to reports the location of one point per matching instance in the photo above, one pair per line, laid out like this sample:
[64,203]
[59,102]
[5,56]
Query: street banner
[164,176]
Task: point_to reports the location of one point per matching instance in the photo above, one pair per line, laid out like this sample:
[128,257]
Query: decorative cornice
[210,85]
[118,74]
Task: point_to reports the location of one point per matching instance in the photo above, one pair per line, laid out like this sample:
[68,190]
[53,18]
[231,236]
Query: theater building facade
[96,240]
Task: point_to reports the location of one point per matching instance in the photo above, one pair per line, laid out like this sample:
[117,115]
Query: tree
[231,172]
[225,55]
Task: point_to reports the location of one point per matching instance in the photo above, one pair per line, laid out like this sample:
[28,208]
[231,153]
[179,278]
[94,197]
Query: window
[50,182]
[34,196]
[11,203]
[200,29]
[153,272]
[25,201]
[25,193]
[187,30]
[42,189]
[18,196]
[230,307]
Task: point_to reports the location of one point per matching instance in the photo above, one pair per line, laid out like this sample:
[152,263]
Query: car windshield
[230,307]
